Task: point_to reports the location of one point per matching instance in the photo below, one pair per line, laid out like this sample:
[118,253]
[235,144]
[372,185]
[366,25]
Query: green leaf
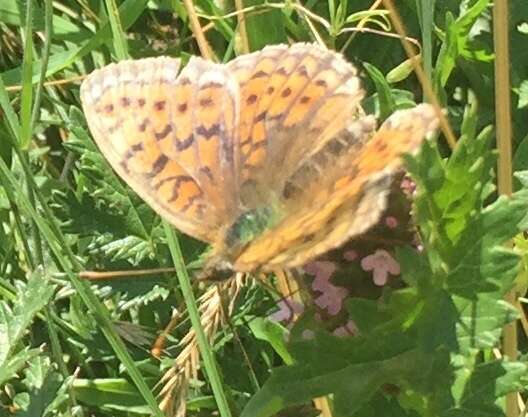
[111,393]
[387,104]
[15,320]
[481,321]
[264,28]
[485,382]
[451,197]
[457,41]
[129,12]
[10,367]
[11,14]
[523,95]
[520,158]
[27,93]
[352,369]
[402,71]
[44,384]
[274,334]
[384,405]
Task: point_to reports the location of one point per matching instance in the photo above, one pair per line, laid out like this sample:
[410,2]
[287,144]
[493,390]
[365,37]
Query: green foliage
[426,339]
[14,321]
[423,345]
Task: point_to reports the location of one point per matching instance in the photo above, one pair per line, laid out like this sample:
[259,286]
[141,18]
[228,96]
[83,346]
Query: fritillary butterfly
[268,158]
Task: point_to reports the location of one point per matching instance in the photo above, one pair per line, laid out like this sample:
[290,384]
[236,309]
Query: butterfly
[269,158]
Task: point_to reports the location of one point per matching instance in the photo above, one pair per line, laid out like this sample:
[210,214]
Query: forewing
[340,194]
[149,124]
[293,100]
[212,105]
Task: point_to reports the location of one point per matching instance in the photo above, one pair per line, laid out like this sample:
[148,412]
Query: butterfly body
[249,225]
[268,158]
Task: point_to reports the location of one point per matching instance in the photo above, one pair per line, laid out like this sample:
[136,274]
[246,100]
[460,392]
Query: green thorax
[251,224]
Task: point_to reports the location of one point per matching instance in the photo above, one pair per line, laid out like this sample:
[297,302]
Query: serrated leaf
[481,321]
[14,321]
[10,367]
[36,372]
[109,187]
[351,369]
[131,248]
[457,41]
[44,384]
[485,382]
[466,237]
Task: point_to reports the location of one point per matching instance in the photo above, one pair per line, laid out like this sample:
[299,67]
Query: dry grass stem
[259,9]
[420,73]
[244,42]
[102,275]
[198,32]
[504,164]
[388,35]
[177,379]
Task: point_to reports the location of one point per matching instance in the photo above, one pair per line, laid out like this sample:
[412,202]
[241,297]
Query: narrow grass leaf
[211,368]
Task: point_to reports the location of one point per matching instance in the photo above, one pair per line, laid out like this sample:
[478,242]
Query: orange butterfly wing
[292,101]
[170,136]
[280,128]
[340,192]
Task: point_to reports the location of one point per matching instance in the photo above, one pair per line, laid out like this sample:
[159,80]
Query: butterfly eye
[216,270]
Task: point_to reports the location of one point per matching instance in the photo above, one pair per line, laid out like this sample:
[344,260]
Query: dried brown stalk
[205,48]
[244,41]
[177,379]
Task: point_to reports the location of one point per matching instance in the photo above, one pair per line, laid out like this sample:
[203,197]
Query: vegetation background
[435,338]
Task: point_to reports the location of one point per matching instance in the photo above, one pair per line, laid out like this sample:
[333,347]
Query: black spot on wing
[184,144]
[259,74]
[159,164]
[208,133]
[163,133]
[207,172]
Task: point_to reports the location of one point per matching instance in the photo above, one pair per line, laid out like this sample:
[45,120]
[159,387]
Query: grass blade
[205,350]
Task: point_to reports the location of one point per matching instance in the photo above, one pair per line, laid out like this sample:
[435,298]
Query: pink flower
[349,329]
[332,299]
[382,264]
[391,222]
[287,309]
[323,271]
[408,185]
[350,255]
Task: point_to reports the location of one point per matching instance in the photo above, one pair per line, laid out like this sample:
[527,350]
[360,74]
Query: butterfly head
[216,269]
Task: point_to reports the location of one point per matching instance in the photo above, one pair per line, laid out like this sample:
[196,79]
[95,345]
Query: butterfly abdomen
[318,170]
